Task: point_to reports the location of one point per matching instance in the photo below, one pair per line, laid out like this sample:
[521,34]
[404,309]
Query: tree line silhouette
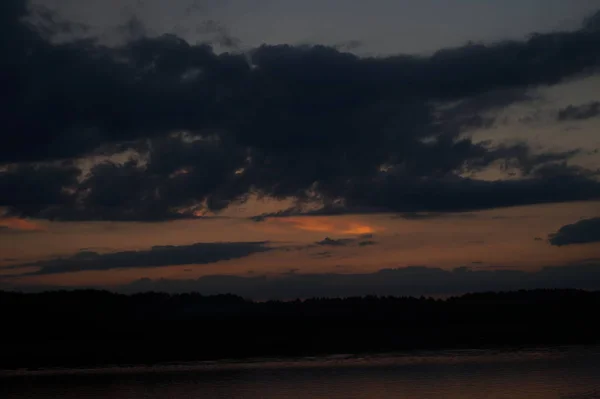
[92,328]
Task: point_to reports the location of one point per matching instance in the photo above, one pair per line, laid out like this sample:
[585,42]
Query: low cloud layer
[206,130]
[158,256]
[404,281]
[363,240]
[331,242]
[582,232]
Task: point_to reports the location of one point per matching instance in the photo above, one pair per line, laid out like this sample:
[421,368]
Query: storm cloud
[310,123]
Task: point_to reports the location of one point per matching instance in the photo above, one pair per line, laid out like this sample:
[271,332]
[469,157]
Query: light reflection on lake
[568,373]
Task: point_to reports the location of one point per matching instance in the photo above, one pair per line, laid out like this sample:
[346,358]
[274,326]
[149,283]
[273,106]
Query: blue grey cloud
[158,256]
[581,232]
[579,112]
[399,282]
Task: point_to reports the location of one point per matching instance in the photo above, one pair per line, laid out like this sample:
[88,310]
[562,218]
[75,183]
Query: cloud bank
[205,130]
[413,281]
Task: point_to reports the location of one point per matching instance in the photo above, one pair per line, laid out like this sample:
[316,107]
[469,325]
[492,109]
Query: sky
[280,148]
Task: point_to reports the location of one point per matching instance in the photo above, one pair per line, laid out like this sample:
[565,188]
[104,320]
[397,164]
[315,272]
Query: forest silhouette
[98,328]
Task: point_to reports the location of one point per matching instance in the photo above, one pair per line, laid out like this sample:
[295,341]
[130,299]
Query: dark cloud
[398,193]
[579,112]
[581,232]
[310,123]
[362,241]
[419,196]
[158,256]
[181,179]
[367,243]
[36,189]
[403,281]
[475,112]
[328,210]
[342,242]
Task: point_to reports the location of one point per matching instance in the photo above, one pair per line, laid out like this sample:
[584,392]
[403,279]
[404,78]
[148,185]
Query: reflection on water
[568,373]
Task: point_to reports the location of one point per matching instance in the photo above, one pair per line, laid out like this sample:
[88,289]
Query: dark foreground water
[572,373]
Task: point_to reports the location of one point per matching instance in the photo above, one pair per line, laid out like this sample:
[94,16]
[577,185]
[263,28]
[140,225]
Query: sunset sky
[274,148]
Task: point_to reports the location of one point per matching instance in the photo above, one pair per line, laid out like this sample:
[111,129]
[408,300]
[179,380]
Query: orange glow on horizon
[19,224]
[356,228]
[326,225]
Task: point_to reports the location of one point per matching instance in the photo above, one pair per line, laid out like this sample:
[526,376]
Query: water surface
[568,373]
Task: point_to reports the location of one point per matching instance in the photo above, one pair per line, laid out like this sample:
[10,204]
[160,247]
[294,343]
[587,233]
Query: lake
[568,373]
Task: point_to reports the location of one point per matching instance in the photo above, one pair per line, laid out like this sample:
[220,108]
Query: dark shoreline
[95,329]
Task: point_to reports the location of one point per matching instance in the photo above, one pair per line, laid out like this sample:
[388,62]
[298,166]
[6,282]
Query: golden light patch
[309,224]
[19,224]
[356,228]
[326,225]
